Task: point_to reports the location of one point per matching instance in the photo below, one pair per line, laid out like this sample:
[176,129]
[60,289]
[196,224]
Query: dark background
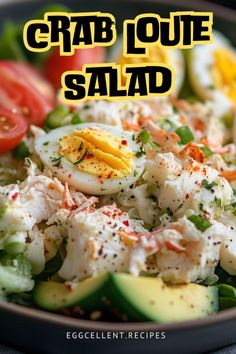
[228,3]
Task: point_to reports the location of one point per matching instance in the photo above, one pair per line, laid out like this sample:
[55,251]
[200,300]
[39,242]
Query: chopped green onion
[167,125]
[185,134]
[208,185]
[202,224]
[144,136]
[76,119]
[207,151]
[154,145]
[15,243]
[21,151]
[56,118]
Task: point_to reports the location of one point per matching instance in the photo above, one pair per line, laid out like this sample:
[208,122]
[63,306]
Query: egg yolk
[156,55]
[97,152]
[224,72]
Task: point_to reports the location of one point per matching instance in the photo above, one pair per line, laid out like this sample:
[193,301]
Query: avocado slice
[133,298]
[87,294]
[149,299]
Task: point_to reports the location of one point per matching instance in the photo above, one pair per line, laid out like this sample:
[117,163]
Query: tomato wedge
[21,88]
[12,129]
[56,64]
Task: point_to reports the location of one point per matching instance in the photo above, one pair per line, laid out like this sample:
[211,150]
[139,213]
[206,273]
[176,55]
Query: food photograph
[117,214]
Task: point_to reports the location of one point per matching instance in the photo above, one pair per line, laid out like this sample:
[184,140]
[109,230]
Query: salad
[118,210]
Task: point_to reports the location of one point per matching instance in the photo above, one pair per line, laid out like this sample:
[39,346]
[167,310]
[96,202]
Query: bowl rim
[75,323]
[100,326]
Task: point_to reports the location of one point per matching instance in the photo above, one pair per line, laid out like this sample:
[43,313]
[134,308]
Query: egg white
[175,59]
[200,62]
[47,147]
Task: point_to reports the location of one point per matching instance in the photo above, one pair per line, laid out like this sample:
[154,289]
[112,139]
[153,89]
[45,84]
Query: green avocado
[133,298]
[150,299]
[87,294]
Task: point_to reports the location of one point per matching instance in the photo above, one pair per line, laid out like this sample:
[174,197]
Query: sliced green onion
[56,118]
[208,185]
[207,151]
[21,151]
[144,136]
[76,119]
[185,134]
[167,125]
[202,224]
[15,243]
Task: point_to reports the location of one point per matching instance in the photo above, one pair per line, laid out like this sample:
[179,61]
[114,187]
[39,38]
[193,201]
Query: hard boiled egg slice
[94,158]
[158,55]
[212,71]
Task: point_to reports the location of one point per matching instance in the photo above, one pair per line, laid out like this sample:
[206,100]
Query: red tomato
[12,130]
[21,89]
[56,64]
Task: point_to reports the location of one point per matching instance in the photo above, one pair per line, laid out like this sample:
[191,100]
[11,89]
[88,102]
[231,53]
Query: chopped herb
[140,153]
[207,151]
[202,224]
[201,207]
[185,134]
[82,158]
[133,137]
[81,146]
[56,159]
[208,185]
[86,107]
[144,136]
[46,143]
[135,173]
